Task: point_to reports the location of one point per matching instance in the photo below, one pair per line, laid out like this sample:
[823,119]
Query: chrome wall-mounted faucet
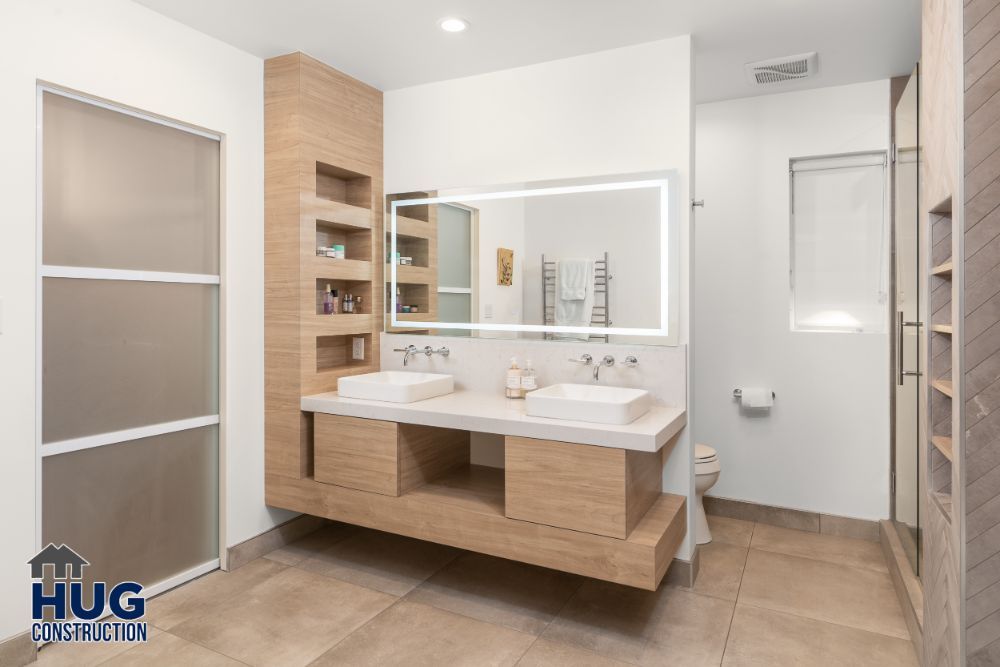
[410,350]
[608,361]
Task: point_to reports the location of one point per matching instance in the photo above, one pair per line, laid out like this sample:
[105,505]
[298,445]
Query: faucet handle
[584,359]
[631,361]
[408,348]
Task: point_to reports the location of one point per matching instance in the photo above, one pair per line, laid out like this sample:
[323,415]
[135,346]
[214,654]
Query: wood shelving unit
[323,187]
[941,404]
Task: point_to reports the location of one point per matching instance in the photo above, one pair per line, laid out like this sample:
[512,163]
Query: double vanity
[391,451]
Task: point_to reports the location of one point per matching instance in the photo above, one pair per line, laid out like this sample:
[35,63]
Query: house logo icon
[65,608]
[61,559]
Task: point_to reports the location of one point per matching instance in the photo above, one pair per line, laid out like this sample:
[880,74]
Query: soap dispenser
[513,383]
[528,380]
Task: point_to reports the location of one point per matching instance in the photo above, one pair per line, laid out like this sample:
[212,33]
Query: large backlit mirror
[586,260]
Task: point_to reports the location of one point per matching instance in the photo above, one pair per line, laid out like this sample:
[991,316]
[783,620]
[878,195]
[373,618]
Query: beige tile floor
[348,596]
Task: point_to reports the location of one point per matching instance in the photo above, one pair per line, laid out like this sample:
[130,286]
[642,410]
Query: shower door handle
[899,347]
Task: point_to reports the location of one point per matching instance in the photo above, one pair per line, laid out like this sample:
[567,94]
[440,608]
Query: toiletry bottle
[335,300]
[327,301]
[528,380]
[513,384]
[348,303]
[358,305]
[399,300]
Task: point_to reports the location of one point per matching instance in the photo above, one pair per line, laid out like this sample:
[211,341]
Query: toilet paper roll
[756,397]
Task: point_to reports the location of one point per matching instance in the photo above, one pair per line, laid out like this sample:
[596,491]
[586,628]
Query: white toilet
[706,474]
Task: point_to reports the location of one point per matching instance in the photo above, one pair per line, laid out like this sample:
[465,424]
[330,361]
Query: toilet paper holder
[738,393]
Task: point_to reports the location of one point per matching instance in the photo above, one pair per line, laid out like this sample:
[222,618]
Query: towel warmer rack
[601,314]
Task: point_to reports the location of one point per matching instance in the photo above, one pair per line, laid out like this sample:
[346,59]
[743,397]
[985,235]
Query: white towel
[574,278]
[574,296]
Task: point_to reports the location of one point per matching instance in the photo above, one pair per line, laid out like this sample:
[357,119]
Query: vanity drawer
[598,490]
[384,457]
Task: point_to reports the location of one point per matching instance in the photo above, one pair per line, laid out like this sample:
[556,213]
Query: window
[839,251]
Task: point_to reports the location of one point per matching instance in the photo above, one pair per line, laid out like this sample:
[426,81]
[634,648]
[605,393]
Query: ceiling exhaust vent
[778,70]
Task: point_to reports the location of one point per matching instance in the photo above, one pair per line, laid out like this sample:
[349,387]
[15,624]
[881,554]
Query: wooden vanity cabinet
[592,489]
[384,457]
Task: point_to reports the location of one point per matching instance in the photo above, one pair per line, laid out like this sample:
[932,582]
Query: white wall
[825,445]
[621,111]
[117,50]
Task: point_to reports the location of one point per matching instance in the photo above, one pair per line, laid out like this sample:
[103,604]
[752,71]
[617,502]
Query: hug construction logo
[64,594]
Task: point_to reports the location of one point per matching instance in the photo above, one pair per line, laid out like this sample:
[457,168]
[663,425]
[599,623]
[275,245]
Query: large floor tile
[289,619]
[312,544]
[389,563]
[520,596]
[830,548]
[774,639]
[545,653]
[85,655]
[644,627]
[730,531]
[852,596]
[198,597]
[720,570]
[416,635]
[167,650]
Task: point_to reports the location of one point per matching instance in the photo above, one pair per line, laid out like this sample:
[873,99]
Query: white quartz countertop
[489,413]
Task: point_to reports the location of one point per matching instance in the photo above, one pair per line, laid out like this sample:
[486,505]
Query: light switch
[359,349]
[488,311]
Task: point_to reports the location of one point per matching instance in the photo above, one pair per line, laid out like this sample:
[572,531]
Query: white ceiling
[397,43]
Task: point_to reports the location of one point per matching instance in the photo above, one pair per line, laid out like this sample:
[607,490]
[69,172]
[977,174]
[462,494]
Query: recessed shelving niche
[941,402]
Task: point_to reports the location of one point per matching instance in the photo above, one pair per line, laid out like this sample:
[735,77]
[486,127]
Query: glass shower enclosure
[907,324]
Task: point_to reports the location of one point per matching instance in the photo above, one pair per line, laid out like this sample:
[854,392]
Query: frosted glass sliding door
[129,361]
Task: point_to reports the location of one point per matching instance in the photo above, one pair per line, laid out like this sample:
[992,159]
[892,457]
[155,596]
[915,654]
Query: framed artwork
[505,267]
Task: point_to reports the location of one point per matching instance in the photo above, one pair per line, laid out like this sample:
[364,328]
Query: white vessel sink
[396,386]
[589,403]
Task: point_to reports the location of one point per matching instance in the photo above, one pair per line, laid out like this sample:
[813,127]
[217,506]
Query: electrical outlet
[488,311]
[358,353]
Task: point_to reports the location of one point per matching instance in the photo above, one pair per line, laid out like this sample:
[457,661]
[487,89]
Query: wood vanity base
[599,490]
[465,509]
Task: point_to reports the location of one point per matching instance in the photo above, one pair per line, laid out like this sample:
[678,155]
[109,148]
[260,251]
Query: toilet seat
[704,453]
[706,461]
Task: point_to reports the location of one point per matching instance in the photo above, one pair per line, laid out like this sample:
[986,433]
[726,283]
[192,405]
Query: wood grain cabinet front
[598,490]
[384,457]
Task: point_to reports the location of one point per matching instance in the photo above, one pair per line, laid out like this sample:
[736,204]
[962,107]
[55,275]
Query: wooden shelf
[943,386]
[943,444]
[942,270]
[478,489]
[418,229]
[341,324]
[465,509]
[327,268]
[412,275]
[946,329]
[335,213]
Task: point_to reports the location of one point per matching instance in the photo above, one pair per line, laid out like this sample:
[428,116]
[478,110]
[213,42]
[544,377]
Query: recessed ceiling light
[452,24]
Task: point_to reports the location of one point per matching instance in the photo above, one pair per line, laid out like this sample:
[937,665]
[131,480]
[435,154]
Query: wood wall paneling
[979,381]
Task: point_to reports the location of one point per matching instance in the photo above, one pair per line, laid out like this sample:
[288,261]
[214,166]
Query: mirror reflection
[566,260]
